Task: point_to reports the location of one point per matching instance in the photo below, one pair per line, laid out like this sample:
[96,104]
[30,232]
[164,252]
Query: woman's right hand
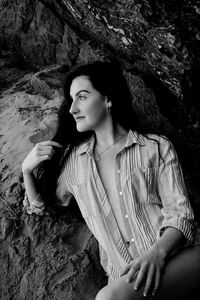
[41,152]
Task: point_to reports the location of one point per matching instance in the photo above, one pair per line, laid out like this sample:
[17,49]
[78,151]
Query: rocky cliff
[157,43]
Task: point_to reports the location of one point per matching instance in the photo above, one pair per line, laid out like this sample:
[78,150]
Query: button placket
[116,234]
[122,205]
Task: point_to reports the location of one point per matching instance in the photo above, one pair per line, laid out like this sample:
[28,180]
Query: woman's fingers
[149,280]
[42,151]
[144,272]
[48,151]
[141,274]
[40,159]
[50,143]
[46,148]
[132,272]
[47,145]
[157,281]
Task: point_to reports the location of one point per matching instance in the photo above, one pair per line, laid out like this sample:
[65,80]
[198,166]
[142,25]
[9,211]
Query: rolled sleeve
[177,210]
[31,208]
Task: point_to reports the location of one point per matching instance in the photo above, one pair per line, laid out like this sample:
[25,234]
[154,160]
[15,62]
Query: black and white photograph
[99,150]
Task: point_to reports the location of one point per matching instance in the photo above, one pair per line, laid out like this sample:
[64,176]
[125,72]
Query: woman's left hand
[146,268]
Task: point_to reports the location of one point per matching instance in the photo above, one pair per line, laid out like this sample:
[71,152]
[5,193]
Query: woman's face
[89,107]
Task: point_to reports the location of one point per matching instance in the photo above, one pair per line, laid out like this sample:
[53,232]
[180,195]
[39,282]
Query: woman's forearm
[171,240]
[31,189]
[41,152]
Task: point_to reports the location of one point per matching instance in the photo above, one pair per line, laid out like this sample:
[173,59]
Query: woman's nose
[73,109]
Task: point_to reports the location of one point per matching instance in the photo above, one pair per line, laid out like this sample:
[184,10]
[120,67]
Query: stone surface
[55,256]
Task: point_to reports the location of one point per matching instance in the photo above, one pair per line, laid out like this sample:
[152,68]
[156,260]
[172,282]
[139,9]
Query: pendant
[97,157]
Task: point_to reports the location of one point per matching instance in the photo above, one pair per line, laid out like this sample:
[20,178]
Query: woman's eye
[82,97]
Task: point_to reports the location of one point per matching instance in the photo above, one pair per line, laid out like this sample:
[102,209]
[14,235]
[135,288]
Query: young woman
[129,188]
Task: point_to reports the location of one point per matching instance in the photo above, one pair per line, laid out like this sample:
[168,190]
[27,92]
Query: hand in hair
[41,152]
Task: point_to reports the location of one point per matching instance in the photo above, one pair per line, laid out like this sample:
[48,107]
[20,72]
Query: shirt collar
[87,146]
[132,138]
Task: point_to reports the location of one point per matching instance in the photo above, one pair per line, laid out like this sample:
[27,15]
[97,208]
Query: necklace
[98,155]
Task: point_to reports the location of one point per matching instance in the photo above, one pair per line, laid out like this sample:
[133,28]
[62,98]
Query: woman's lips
[79,119]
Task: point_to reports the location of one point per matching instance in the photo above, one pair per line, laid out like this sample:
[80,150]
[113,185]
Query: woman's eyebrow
[81,91]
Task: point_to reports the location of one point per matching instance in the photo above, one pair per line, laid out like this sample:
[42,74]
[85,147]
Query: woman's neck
[108,135]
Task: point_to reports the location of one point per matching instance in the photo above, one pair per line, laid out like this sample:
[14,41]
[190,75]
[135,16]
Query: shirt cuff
[30,208]
[186,226]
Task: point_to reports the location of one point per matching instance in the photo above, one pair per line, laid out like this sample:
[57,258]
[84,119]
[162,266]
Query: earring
[108,109]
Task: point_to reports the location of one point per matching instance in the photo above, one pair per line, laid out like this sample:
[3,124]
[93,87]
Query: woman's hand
[41,152]
[146,268]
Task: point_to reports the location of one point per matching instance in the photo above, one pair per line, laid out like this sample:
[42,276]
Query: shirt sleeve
[63,198]
[63,193]
[177,210]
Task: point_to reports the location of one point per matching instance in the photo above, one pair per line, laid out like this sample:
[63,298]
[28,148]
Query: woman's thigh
[180,281]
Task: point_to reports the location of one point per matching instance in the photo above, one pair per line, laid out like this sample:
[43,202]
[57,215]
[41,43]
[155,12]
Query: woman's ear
[108,103]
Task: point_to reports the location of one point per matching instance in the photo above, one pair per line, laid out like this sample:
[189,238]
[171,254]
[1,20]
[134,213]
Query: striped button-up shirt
[152,196]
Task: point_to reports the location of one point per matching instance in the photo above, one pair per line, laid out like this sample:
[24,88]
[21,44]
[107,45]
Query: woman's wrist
[161,251]
[168,242]
[26,171]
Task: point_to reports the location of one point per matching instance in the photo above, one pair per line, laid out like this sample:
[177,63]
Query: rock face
[55,256]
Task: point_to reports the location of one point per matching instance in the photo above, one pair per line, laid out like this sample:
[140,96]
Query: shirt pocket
[86,199]
[143,184]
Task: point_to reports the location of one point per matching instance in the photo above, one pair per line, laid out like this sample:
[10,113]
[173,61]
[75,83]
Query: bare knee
[118,290]
[106,293]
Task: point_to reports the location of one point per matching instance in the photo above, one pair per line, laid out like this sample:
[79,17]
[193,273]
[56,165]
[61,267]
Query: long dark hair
[108,79]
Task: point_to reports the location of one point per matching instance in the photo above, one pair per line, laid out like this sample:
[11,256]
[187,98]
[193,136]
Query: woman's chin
[82,128]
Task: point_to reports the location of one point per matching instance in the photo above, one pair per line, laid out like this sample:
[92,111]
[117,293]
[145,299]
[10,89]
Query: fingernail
[144,294]
[135,288]
[127,280]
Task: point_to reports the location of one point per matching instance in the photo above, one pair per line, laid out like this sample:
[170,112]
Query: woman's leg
[180,281]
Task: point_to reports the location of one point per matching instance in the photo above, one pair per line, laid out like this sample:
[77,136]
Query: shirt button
[132,240]
[120,192]
[126,216]
[118,171]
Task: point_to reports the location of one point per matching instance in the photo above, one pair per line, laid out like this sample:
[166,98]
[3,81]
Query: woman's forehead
[80,83]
